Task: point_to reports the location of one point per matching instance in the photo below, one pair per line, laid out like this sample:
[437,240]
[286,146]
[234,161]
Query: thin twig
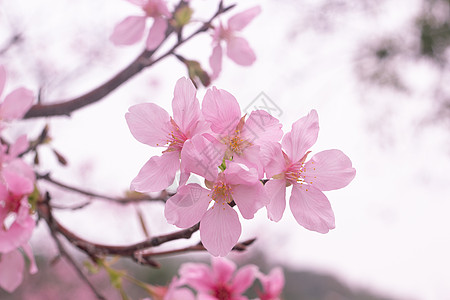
[163,196]
[242,246]
[95,250]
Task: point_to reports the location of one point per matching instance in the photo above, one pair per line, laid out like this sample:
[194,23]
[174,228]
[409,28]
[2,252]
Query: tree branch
[163,196]
[144,60]
[95,250]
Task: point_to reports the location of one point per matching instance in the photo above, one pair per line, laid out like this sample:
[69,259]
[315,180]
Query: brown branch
[16,38]
[144,60]
[242,246]
[163,196]
[95,250]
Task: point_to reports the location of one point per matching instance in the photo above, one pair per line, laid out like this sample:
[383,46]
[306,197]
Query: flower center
[294,173]
[176,138]
[222,292]
[221,193]
[151,9]
[236,144]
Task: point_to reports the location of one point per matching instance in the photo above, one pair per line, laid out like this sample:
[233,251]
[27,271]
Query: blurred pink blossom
[219,282]
[16,223]
[238,49]
[131,29]
[16,103]
[272,284]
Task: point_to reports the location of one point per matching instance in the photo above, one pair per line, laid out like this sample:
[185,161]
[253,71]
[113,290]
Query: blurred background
[377,72]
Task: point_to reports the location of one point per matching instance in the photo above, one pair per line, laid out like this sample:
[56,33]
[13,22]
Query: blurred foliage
[57,280]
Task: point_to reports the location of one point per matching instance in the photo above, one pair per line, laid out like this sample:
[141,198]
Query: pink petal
[138,2]
[273,283]
[16,104]
[242,19]
[239,51]
[180,293]
[16,235]
[201,296]
[261,127]
[156,34]
[223,269]
[19,146]
[187,206]
[244,278]
[222,110]
[249,198]
[19,167]
[272,158]
[220,229]
[202,155]
[240,174]
[29,252]
[11,270]
[250,157]
[198,276]
[158,173]
[17,184]
[129,31]
[276,191]
[311,208]
[215,61]
[329,170]
[2,78]
[185,106]
[149,124]
[302,136]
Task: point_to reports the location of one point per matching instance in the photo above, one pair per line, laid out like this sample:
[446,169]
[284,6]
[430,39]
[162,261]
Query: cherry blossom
[16,103]
[131,29]
[244,140]
[174,291]
[16,223]
[220,227]
[238,49]
[221,282]
[327,170]
[150,124]
[272,284]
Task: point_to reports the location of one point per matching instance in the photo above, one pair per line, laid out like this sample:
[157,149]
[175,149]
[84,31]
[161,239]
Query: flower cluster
[220,282]
[238,49]
[16,183]
[132,29]
[235,155]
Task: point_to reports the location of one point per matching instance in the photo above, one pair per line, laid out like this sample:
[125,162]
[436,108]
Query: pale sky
[392,226]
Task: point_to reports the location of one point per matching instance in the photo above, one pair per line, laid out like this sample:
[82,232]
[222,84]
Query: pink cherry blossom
[16,103]
[237,47]
[174,291]
[272,284]
[244,140]
[150,124]
[220,227]
[327,170]
[219,282]
[16,223]
[11,267]
[132,28]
